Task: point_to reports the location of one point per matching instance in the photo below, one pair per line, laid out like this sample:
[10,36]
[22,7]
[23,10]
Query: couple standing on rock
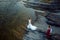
[34,28]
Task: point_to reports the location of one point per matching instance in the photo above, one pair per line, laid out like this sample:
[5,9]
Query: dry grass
[12,27]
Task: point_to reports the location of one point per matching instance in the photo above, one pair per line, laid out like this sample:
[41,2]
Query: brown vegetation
[13,27]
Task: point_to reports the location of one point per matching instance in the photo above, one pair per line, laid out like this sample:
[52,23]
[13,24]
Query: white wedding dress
[30,26]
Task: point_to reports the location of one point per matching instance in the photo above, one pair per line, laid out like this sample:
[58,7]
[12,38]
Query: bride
[30,26]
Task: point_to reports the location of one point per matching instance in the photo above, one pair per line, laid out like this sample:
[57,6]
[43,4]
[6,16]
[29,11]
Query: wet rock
[34,35]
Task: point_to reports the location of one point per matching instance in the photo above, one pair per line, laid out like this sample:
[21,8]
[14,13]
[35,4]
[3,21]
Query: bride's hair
[29,18]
